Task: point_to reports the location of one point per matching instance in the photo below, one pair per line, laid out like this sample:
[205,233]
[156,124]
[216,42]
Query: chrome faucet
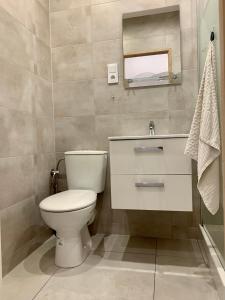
[151,128]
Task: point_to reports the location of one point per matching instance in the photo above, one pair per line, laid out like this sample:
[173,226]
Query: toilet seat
[68,201]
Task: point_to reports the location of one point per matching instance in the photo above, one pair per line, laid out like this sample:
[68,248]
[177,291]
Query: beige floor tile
[117,276]
[26,280]
[124,271]
[126,243]
[176,287]
[186,278]
[181,248]
[183,266]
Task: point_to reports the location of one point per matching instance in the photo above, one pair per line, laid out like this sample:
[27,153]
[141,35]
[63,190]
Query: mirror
[151,48]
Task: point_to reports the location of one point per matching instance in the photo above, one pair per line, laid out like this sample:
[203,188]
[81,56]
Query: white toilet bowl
[68,214]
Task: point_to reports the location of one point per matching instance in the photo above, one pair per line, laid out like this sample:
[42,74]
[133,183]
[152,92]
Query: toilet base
[72,248]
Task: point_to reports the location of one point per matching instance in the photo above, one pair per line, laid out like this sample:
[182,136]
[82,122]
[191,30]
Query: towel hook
[212,35]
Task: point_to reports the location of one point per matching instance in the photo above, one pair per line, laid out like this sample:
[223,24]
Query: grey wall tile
[129,124]
[40,22]
[21,232]
[42,56]
[189,53]
[187,9]
[138,123]
[72,63]
[107,21]
[26,122]
[176,98]
[109,99]
[180,121]
[114,99]
[45,4]
[57,5]
[75,133]
[33,14]
[146,100]
[16,133]
[105,126]
[16,179]
[190,79]
[19,42]
[140,5]
[16,86]
[20,10]
[106,52]
[71,26]
[73,99]
[43,104]
[44,130]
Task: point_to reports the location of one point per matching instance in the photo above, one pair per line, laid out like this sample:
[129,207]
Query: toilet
[69,212]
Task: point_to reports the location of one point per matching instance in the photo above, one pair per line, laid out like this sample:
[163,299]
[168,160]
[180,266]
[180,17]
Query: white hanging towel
[203,144]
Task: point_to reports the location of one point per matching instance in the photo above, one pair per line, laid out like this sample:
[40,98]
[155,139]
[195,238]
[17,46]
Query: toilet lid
[68,201]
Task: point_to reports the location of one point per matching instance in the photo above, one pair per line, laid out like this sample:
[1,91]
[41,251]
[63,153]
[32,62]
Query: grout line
[203,256]
[74,44]
[52,81]
[123,252]
[24,25]
[80,6]
[44,285]
[27,155]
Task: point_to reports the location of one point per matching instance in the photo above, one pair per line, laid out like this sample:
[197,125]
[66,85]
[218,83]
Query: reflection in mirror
[148,68]
[151,46]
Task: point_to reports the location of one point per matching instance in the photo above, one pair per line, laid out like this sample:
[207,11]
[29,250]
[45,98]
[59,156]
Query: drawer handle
[140,149]
[149,184]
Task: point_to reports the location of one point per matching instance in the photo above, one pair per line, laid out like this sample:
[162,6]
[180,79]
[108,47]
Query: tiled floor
[119,268]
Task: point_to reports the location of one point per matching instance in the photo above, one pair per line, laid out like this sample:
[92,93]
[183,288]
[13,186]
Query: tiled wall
[26,125]
[86,35]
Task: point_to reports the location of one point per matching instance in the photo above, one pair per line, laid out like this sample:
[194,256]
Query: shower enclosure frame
[213,256]
[222,115]
[211,17]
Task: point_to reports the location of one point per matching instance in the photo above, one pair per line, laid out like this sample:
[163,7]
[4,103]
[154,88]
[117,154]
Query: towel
[203,144]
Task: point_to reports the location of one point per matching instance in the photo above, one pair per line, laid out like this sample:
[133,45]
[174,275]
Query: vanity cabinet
[150,173]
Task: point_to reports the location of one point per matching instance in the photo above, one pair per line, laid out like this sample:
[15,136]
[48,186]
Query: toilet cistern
[151,128]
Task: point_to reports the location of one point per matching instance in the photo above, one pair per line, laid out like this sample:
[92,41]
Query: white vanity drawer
[152,192]
[150,156]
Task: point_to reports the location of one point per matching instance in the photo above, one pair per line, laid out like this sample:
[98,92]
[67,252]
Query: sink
[146,137]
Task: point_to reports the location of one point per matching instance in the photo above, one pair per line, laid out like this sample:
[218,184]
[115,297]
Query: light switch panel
[113,74]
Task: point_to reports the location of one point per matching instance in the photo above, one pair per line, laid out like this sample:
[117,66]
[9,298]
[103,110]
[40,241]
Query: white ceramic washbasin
[146,137]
